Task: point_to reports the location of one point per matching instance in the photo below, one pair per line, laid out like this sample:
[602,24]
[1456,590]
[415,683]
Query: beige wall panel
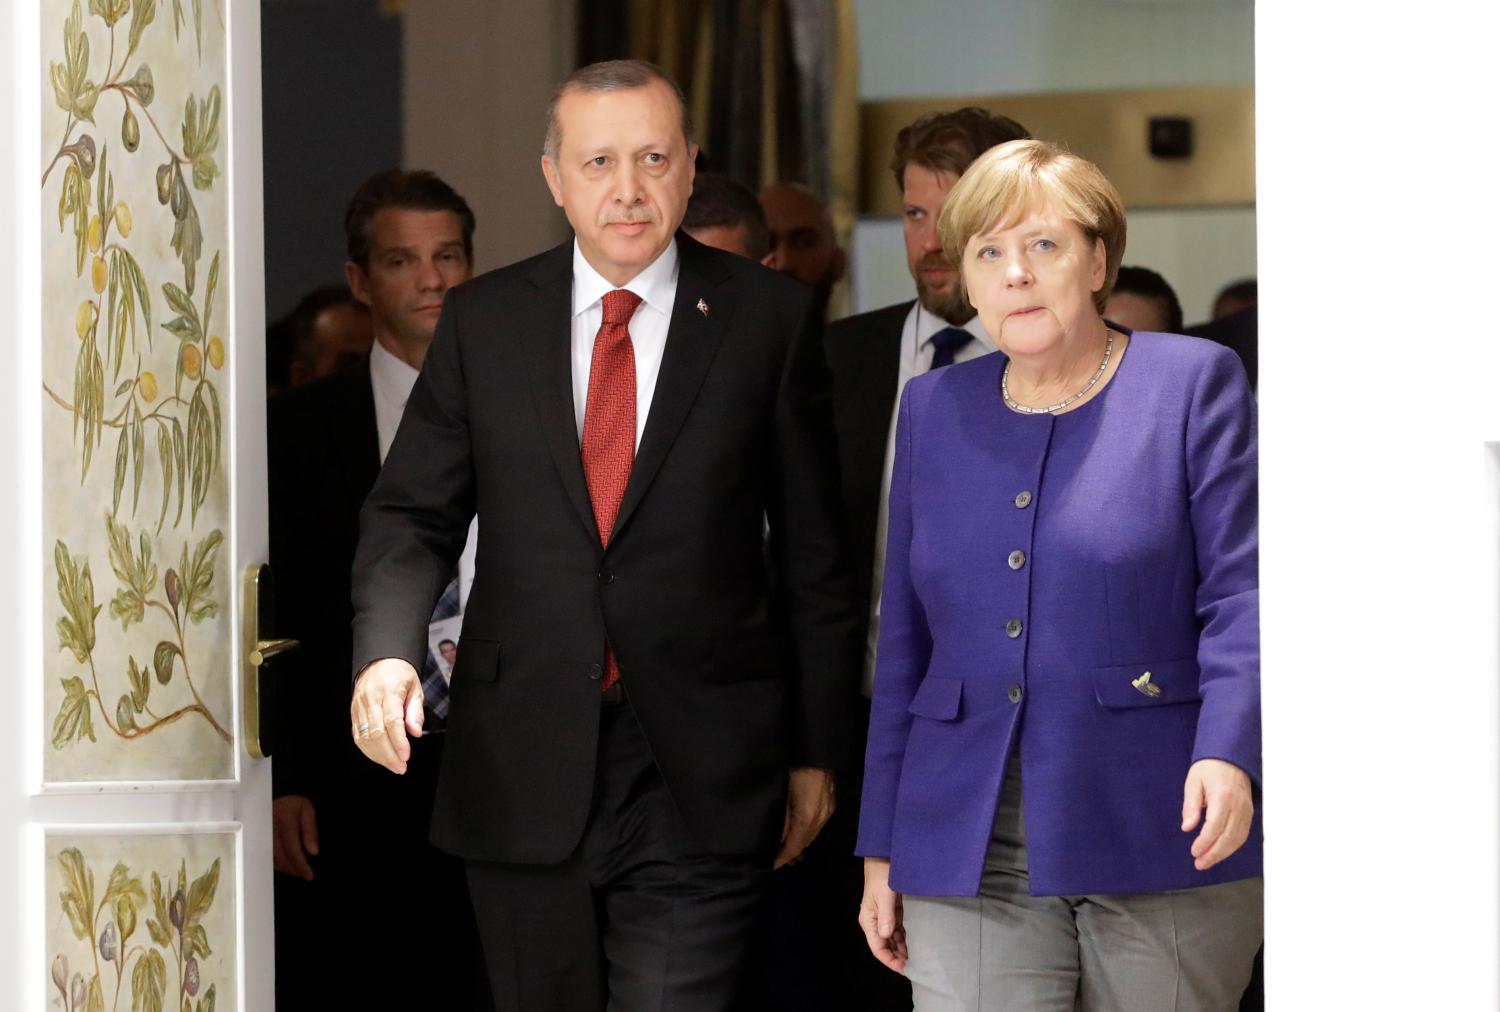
[1107,127]
[477,79]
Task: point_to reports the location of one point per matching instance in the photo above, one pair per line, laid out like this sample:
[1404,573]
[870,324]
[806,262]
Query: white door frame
[24,809]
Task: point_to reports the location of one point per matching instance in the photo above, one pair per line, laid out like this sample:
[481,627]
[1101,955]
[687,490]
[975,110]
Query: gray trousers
[1003,950]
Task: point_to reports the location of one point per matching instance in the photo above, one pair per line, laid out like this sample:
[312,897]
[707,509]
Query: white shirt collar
[390,377]
[656,284]
[928,324]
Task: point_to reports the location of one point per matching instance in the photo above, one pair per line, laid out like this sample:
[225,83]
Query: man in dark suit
[871,356]
[410,238]
[638,730]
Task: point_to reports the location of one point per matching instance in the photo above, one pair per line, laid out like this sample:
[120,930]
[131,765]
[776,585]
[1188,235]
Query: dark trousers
[813,950]
[639,918]
[372,838]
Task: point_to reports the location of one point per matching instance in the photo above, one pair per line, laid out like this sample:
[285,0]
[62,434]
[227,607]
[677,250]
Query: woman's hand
[1225,789]
[880,915]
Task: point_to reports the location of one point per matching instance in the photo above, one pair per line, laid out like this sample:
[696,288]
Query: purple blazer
[1037,568]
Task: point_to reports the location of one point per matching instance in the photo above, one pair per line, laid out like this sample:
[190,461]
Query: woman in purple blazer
[1064,748]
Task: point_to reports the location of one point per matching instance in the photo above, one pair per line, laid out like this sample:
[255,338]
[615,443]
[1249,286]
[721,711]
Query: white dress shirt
[391,380]
[916,358]
[657,287]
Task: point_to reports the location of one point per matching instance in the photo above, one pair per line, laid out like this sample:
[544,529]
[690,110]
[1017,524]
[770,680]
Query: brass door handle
[266,649]
[259,601]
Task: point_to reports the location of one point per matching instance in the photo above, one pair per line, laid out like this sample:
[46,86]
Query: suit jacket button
[1013,628]
[596,671]
[1023,499]
[606,576]
[1017,559]
[1014,692]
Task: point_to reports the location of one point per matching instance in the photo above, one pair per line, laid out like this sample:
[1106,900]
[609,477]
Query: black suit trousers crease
[638,918]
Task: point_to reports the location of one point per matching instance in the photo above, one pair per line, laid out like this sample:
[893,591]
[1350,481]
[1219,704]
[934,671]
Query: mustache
[635,216]
[934,262]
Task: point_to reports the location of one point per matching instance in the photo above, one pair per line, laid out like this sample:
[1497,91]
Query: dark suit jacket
[730,688]
[864,355]
[323,454]
[1238,334]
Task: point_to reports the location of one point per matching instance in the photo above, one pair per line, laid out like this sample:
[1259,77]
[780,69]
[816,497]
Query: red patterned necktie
[609,425]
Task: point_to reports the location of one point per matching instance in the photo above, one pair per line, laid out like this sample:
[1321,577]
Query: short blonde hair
[1011,180]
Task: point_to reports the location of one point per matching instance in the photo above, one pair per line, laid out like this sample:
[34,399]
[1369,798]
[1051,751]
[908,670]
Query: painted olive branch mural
[174,924]
[141,316]
[188,592]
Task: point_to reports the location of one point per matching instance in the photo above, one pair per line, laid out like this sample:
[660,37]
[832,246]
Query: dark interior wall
[331,80]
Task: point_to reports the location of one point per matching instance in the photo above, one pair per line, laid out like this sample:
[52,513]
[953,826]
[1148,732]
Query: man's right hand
[294,835]
[387,707]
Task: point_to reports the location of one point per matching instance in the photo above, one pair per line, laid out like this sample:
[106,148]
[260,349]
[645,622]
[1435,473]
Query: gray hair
[611,75]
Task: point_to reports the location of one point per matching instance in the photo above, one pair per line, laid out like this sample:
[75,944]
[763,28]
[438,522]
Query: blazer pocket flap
[937,698]
[1161,683]
[477,661]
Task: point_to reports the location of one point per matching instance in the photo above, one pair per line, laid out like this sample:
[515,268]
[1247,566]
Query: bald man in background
[803,243]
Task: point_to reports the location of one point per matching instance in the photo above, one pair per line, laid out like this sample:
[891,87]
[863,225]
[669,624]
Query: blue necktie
[434,685]
[948,342]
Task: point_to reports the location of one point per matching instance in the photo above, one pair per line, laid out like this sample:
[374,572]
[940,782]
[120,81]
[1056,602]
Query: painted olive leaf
[198,578]
[138,453]
[95,1001]
[179,455]
[140,686]
[123,885]
[187,240]
[164,454]
[110,10]
[77,896]
[201,894]
[209,999]
[67,200]
[156,926]
[122,463]
[88,393]
[137,280]
[202,441]
[197,936]
[74,716]
[143,12]
[125,918]
[208,295]
[148,983]
[75,586]
[74,92]
[183,305]
[136,572]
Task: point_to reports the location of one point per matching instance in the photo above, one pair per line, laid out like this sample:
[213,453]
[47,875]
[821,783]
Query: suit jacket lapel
[547,320]
[693,338]
[357,435]
[875,396]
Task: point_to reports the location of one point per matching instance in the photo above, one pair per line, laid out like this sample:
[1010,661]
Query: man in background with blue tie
[871,356]
[410,239]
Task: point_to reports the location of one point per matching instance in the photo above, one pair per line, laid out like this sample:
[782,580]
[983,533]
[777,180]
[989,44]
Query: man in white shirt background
[410,239]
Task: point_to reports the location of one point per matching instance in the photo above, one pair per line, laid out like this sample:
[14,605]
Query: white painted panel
[27,579]
[1378,558]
